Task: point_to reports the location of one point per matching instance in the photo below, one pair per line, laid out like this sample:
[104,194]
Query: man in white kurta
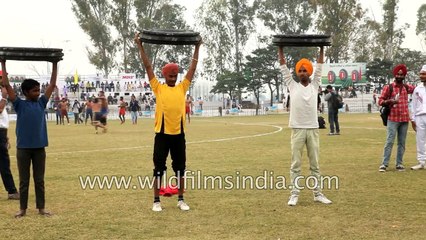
[304,123]
[418,119]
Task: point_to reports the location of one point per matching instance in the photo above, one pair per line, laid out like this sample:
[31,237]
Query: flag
[76,77]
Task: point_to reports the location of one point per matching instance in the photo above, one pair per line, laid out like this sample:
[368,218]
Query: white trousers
[421,138]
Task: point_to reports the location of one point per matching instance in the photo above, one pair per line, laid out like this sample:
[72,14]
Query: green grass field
[367,204]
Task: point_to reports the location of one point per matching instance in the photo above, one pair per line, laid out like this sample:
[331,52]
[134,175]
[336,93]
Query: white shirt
[4,117]
[304,100]
[418,102]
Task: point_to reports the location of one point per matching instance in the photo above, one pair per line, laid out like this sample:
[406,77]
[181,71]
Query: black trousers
[6,174]
[176,145]
[36,156]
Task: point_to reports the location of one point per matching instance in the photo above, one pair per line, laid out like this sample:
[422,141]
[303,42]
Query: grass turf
[367,204]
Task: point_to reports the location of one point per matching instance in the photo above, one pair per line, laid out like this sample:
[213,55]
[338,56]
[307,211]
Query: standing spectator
[395,95]
[304,122]
[169,122]
[200,103]
[418,119]
[188,107]
[5,172]
[31,136]
[333,110]
[76,110]
[64,111]
[134,108]
[89,111]
[122,110]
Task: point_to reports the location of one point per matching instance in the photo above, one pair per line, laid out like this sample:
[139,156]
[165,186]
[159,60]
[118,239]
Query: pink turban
[170,68]
[399,67]
[307,64]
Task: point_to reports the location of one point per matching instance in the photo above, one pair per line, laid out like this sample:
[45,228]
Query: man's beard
[399,80]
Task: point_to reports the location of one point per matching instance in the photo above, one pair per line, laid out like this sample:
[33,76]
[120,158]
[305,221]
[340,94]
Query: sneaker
[156,207]
[382,168]
[319,197]
[292,201]
[330,134]
[13,196]
[418,166]
[400,167]
[182,205]
[337,133]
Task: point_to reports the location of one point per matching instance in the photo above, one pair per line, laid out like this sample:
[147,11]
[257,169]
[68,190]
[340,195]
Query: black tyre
[31,54]
[170,37]
[301,40]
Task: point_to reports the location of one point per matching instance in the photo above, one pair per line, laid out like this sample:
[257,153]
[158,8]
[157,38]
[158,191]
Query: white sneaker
[418,166]
[182,205]
[156,207]
[319,197]
[292,201]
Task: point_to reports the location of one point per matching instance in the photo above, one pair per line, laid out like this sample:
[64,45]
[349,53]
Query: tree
[160,14]
[93,18]
[368,42]
[254,84]
[379,71]
[287,17]
[226,26]
[263,66]
[120,18]
[421,22]
[230,83]
[339,18]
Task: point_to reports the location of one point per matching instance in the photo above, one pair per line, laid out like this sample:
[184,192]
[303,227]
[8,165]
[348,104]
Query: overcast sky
[51,23]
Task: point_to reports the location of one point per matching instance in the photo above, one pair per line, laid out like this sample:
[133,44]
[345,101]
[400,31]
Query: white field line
[278,129]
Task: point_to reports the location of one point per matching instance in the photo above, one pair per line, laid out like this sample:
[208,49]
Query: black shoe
[13,196]
[382,168]
[400,167]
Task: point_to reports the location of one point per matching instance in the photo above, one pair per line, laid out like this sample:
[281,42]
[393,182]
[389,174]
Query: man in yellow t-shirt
[169,121]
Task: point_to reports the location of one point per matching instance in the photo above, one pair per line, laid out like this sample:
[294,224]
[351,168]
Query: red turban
[170,68]
[399,67]
[307,64]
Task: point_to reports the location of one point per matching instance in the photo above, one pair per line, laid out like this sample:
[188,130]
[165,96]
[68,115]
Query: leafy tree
[393,37]
[230,83]
[421,22]
[379,71]
[226,26]
[287,17]
[340,19]
[367,44]
[263,66]
[120,19]
[93,18]
[160,14]
[254,84]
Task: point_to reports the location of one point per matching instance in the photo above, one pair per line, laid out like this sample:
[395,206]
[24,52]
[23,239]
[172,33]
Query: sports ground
[366,204]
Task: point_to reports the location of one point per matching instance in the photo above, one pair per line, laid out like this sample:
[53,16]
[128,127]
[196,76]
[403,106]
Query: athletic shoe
[400,167]
[337,133]
[292,201]
[382,168]
[156,207]
[331,134]
[182,205]
[319,197]
[418,166]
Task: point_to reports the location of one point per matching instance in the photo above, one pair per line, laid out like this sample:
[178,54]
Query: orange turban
[170,68]
[400,67]
[307,64]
